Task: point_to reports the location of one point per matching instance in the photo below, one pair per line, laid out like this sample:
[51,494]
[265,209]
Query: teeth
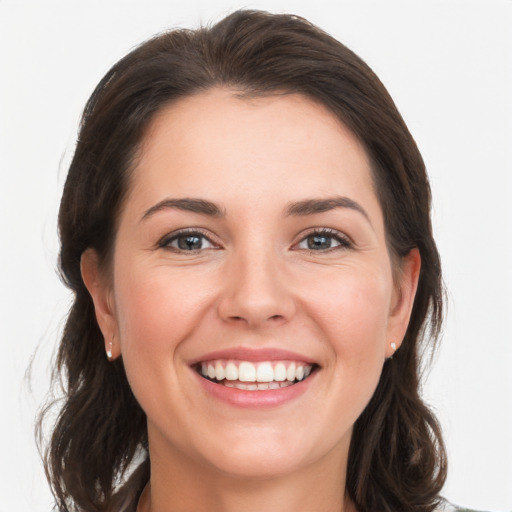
[265,373]
[257,375]
[290,373]
[280,372]
[262,386]
[220,374]
[231,371]
[246,372]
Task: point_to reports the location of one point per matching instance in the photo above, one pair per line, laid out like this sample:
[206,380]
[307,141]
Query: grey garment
[127,498]
[130,505]
[445,506]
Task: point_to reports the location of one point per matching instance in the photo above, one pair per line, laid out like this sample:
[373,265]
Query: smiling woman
[245,225]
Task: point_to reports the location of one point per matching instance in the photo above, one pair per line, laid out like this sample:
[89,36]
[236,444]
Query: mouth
[255,376]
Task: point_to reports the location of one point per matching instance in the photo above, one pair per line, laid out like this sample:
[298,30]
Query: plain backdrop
[447,64]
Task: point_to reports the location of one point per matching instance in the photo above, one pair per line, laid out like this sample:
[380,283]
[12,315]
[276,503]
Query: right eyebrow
[313,206]
[193,205]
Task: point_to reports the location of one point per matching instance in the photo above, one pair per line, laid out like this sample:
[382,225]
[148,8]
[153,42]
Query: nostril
[241,318]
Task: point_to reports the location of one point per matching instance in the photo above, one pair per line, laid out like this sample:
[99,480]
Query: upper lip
[254,355]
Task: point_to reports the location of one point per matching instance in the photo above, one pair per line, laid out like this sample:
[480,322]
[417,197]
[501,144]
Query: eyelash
[343,241]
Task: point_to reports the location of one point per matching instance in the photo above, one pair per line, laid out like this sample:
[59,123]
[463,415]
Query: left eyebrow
[312,206]
[193,205]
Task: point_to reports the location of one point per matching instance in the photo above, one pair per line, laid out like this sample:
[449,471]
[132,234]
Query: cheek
[353,302]
[156,309]
[352,313]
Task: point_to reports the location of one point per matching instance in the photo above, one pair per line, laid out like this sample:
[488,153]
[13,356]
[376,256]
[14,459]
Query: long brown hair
[397,459]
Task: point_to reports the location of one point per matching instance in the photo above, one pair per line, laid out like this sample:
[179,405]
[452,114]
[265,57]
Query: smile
[249,376]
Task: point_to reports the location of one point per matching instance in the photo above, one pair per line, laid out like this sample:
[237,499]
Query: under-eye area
[252,376]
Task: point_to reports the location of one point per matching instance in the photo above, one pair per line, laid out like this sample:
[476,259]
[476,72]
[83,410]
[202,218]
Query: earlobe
[101,293]
[403,302]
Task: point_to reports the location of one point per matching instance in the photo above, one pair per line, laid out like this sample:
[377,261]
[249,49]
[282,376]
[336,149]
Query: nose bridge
[256,293]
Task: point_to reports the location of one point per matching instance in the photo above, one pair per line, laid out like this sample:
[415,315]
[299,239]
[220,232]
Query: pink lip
[261,399]
[254,355]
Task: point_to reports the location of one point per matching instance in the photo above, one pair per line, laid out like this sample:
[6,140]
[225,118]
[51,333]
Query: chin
[261,456]
[252,465]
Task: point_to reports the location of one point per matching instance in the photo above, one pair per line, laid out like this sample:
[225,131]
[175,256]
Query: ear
[101,292]
[403,300]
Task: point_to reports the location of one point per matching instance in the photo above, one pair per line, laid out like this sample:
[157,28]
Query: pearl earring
[393,346]
[109,349]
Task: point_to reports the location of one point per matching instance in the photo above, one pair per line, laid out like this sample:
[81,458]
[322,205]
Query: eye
[187,241]
[324,240]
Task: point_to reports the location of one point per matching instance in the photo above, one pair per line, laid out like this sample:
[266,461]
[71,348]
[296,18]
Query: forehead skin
[202,120]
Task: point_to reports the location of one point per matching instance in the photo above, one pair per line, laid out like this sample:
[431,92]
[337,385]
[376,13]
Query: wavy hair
[397,459]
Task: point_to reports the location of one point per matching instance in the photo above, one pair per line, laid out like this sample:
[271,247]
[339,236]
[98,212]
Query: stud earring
[109,349]
[393,346]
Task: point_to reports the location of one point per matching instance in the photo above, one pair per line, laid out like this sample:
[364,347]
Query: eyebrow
[296,209]
[312,206]
[200,206]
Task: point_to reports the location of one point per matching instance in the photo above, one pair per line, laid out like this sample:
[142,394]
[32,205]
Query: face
[251,296]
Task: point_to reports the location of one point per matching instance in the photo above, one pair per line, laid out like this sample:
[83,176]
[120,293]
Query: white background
[448,65]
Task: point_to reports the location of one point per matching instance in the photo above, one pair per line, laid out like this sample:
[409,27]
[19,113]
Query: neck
[180,485]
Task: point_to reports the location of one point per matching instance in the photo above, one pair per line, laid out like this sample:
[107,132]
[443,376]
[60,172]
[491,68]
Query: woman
[245,226]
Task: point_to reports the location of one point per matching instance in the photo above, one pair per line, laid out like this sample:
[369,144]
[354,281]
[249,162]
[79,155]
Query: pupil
[189,243]
[319,242]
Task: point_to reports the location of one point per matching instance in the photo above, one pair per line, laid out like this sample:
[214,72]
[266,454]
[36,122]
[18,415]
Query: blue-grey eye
[322,242]
[188,242]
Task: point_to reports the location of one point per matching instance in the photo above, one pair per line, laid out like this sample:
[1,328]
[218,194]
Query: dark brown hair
[397,459]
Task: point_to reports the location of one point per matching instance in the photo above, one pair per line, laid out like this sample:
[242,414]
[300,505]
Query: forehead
[237,148]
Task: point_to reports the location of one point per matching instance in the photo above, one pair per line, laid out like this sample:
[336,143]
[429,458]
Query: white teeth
[220,374]
[280,372]
[290,373]
[231,371]
[270,375]
[246,372]
[262,386]
[265,373]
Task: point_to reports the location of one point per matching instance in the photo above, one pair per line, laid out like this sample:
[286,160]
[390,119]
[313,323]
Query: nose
[256,292]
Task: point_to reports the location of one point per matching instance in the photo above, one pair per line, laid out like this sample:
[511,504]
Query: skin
[256,284]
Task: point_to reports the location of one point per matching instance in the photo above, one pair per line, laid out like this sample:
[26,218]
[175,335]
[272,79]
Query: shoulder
[445,506]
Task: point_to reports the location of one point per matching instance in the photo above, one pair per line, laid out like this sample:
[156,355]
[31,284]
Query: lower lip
[257,399]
